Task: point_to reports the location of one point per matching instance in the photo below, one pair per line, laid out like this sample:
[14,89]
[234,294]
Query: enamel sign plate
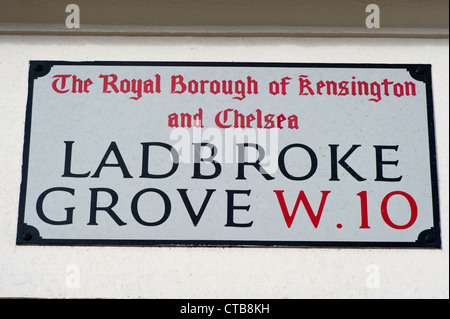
[226,154]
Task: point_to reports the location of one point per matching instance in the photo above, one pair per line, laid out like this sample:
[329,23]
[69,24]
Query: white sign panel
[265,154]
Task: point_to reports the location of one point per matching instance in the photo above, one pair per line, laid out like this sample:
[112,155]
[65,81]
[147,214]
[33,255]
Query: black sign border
[430,238]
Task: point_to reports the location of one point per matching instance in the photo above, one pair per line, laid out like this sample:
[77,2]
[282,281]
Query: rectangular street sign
[229,154]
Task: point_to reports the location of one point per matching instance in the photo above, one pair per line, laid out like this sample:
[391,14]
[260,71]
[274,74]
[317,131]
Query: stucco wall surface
[181,272]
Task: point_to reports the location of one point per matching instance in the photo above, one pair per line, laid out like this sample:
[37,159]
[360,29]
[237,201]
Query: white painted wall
[146,272]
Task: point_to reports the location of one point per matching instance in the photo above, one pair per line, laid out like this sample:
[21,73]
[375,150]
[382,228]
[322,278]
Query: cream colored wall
[150,272]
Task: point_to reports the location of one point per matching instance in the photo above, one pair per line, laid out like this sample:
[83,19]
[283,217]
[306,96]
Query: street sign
[229,154]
